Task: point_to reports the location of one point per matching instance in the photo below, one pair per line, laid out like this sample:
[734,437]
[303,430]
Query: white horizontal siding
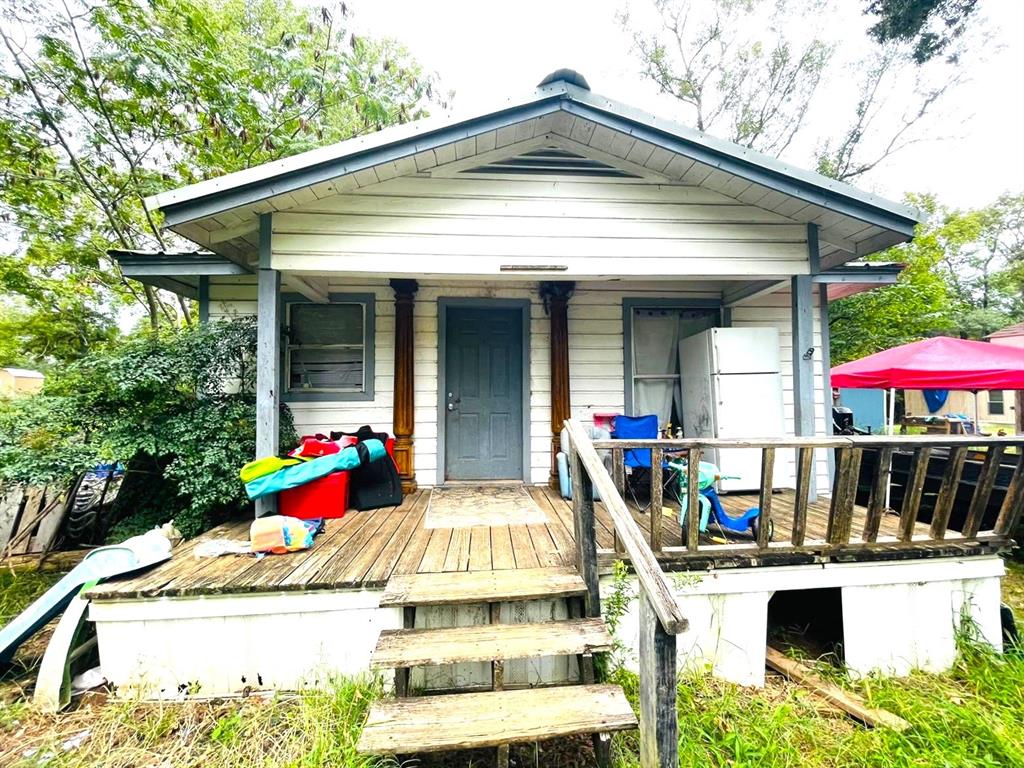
[596,363]
[475,226]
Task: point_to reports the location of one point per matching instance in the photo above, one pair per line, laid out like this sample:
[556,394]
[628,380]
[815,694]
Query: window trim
[653,302]
[368,300]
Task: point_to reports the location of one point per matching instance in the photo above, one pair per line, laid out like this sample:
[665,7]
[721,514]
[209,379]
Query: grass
[969,717]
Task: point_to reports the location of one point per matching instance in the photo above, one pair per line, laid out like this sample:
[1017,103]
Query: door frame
[443,303]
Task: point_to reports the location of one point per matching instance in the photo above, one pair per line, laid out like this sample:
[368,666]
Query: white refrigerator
[732,387]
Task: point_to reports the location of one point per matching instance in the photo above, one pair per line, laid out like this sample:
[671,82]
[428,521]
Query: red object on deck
[325,497]
[939,363]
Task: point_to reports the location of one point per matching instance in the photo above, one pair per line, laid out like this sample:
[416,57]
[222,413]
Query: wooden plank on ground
[482,586]
[476,720]
[10,506]
[849,702]
[31,514]
[489,642]
[49,526]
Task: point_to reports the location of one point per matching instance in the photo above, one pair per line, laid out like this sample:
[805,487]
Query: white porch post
[268,358]
[801,288]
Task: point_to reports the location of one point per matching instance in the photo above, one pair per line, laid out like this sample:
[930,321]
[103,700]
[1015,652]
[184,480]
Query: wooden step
[489,642]
[475,720]
[481,586]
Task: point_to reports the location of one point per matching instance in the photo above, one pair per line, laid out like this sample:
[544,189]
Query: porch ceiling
[637,148]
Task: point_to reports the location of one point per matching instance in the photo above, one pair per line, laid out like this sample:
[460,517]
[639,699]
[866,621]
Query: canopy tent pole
[892,431]
[977,422]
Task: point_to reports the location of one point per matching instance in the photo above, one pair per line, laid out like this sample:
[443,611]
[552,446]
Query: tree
[751,71]
[158,404]
[102,104]
[929,25]
[964,274]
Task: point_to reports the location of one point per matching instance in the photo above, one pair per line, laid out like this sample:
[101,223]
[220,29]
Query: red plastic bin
[325,497]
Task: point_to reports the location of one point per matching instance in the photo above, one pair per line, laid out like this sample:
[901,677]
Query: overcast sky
[484,50]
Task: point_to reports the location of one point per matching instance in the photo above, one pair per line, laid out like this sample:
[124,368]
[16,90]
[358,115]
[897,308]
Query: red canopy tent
[939,363]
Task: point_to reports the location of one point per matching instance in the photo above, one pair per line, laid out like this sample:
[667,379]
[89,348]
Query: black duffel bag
[373,484]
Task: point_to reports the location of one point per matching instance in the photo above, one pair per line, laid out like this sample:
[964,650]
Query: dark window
[328,348]
[996,404]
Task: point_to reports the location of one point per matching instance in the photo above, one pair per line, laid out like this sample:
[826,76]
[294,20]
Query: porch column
[203,299]
[802,319]
[268,358]
[404,421]
[555,296]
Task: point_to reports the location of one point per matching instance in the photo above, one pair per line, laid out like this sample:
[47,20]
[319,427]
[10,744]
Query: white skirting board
[896,616]
[225,645]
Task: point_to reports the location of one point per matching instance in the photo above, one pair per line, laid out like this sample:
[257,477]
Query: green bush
[179,405]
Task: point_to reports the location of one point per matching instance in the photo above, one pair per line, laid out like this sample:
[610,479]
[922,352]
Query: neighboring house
[1012,336]
[19,381]
[470,284]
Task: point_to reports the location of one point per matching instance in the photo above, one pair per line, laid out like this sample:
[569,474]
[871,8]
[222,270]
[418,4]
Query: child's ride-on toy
[711,508]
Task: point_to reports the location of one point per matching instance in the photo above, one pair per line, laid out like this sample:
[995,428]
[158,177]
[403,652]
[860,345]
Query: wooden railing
[660,617]
[841,536]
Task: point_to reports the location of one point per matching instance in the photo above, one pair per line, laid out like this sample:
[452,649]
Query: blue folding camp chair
[637,459]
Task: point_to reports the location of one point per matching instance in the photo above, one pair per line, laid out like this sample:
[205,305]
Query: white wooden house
[558,233]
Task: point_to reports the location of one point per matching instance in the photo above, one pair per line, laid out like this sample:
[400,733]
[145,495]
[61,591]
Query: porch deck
[364,549]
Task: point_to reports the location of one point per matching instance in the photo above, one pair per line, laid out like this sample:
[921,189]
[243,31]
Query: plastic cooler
[326,497]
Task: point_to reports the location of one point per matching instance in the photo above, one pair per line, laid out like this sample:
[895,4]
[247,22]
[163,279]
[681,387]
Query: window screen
[327,347]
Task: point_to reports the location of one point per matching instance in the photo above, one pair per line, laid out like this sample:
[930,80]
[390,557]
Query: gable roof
[1010,331]
[852,223]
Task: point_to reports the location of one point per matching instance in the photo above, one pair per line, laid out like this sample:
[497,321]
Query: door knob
[451,406]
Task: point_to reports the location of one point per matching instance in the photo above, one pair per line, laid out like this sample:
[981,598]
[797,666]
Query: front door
[483,389]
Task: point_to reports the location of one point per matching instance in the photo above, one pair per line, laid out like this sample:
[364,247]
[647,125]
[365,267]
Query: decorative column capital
[554,292]
[404,288]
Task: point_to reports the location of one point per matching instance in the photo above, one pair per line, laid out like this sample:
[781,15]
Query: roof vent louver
[551,162]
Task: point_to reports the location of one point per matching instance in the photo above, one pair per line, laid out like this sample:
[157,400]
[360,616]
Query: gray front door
[483,388]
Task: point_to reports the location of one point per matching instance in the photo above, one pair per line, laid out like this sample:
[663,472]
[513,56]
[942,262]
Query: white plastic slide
[134,554]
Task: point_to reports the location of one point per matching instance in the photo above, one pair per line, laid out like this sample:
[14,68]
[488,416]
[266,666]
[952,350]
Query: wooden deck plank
[480,548]
[544,545]
[481,586]
[366,548]
[362,530]
[400,540]
[489,642]
[436,551]
[522,547]
[358,566]
[502,556]
[457,558]
[474,720]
